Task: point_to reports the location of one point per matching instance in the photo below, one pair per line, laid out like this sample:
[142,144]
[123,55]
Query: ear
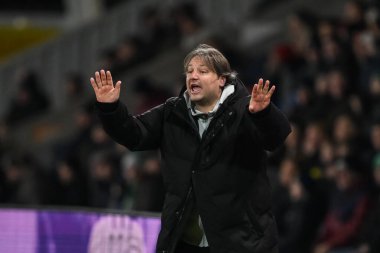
[222,81]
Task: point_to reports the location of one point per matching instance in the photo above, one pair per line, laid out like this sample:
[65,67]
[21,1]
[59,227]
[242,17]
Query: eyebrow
[202,65]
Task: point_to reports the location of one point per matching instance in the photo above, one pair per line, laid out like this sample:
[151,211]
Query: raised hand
[261,96]
[104,89]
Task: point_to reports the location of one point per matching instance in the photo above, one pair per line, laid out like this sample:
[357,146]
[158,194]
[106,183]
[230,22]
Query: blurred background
[322,55]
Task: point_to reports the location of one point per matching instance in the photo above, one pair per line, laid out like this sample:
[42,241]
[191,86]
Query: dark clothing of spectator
[371,233]
[30,100]
[291,216]
[344,218]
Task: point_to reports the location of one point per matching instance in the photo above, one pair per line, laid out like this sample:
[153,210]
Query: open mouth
[195,88]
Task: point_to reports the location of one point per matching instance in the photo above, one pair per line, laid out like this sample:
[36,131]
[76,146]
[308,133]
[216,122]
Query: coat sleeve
[271,126]
[140,132]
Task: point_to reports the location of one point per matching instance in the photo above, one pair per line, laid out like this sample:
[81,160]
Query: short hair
[213,59]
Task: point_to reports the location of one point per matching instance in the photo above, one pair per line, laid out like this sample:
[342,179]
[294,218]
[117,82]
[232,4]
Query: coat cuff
[262,113]
[107,107]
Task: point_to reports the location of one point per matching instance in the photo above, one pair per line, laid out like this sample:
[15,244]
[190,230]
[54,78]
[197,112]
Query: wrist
[261,113]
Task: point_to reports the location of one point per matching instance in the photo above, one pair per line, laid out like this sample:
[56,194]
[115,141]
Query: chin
[195,98]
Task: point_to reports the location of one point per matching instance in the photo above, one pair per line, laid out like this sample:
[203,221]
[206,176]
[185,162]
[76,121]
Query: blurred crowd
[60,6]
[326,177]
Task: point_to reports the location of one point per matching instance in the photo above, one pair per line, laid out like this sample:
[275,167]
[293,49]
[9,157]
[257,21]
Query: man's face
[203,85]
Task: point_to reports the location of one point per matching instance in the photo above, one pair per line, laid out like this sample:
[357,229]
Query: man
[213,139]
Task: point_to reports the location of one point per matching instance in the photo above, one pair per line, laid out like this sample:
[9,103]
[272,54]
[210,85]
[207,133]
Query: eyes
[200,71]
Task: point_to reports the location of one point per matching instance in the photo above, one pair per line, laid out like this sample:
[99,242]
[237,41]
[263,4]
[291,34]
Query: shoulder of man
[170,104]
[173,102]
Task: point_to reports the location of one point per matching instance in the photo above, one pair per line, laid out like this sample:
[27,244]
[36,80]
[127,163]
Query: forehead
[197,61]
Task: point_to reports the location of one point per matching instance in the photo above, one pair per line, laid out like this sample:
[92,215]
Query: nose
[193,75]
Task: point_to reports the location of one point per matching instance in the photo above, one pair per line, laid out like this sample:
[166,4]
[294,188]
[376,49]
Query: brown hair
[213,59]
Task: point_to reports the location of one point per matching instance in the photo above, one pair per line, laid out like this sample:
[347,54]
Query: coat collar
[227,91]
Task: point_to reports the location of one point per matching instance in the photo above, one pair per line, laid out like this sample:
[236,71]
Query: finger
[260,85]
[271,91]
[93,84]
[266,87]
[109,78]
[117,85]
[103,77]
[254,89]
[98,80]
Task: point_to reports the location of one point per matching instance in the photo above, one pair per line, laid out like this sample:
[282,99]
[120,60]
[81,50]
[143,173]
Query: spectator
[150,188]
[367,55]
[291,209]
[156,33]
[148,94]
[346,211]
[353,17]
[143,185]
[128,53]
[74,89]
[30,100]
[370,235]
[129,166]
[373,99]
[344,134]
[69,186]
[190,25]
[21,184]
[104,190]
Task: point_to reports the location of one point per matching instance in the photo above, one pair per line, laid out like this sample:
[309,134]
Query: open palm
[261,96]
[104,89]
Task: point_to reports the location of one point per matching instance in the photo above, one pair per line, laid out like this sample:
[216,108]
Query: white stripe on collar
[227,91]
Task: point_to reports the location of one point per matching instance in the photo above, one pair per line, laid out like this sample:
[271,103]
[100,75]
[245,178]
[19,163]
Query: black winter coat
[223,174]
